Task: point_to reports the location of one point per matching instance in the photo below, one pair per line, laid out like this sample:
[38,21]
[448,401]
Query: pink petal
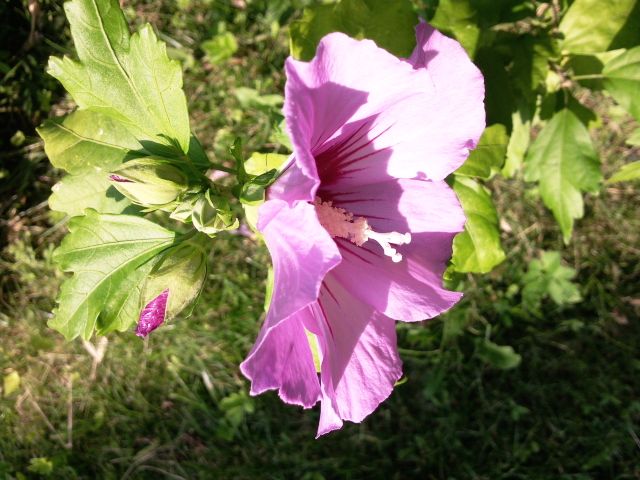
[152,315]
[411,289]
[360,363]
[284,361]
[366,115]
[302,252]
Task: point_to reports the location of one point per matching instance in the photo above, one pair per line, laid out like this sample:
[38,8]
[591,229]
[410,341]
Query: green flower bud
[212,214]
[150,181]
[182,212]
[181,273]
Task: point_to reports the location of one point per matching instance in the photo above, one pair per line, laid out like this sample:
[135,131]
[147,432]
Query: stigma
[341,223]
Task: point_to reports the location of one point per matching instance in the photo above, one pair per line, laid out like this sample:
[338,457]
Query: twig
[97,353]
[69,444]
[44,417]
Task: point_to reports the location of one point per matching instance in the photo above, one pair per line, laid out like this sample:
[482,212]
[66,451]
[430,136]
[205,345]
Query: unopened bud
[212,214]
[174,284]
[150,181]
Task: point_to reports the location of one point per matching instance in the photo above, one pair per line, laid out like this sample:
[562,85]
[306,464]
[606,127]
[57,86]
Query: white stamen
[340,223]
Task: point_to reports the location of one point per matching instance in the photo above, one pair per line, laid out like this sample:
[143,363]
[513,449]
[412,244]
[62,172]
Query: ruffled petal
[369,115]
[284,361]
[302,252]
[411,289]
[360,363]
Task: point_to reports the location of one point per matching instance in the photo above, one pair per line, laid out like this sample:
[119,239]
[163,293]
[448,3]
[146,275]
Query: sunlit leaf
[458,18]
[388,23]
[127,77]
[591,26]
[499,356]
[220,48]
[518,141]
[477,248]
[103,252]
[75,193]
[564,162]
[487,158]
[10,383]
[630,171]
[259,163]
[634,138]
[622,80]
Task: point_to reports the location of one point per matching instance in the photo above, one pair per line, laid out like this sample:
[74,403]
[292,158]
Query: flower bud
[174,284]
[150,181]
[212,214]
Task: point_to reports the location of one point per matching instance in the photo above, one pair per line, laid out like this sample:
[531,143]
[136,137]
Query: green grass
[176,405]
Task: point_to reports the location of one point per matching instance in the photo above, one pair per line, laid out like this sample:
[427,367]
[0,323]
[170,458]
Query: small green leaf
[564,162]
[547,277]
[591,26]
[477,249]
[589,66]
[75,193]
[634,138]
[459,19]
[41,466]
[499,356]
[630,171]
[103,251]
[518,141]
[259,163]
[251,98]
[487,158]
[10,383]
[254,191]
[388,23]
[127,77]
[220,48]
[622,80]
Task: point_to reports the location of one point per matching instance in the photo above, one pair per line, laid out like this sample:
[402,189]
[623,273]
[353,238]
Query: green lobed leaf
[220,48]
[630,171]
[123,306]
[518,141]
[127,77]
[388,23]
[88,145]
[86,140]
[547,277]
[487,158]
[477,249]
[75,193]
[634,138]
[499,356]
[622,79]
[103,251]
[259,163]
[458,19]
[589,67]
[591,26]
[564,162]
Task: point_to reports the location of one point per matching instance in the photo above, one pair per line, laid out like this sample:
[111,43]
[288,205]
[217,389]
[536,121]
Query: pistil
[341,223]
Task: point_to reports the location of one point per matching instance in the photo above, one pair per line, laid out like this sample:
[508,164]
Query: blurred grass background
[532,375]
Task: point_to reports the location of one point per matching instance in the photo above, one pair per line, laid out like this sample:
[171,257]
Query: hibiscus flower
[361,224]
